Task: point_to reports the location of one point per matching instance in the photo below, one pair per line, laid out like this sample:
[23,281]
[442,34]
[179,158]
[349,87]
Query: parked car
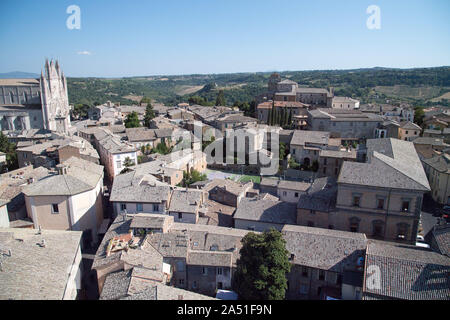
[420,242]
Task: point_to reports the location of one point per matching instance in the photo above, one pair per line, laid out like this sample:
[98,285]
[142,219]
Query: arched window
[11,96]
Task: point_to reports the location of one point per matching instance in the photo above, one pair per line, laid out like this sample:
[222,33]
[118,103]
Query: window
[312,211]
[219,271]
[406,132]
[219,285]
[139,207]
[339,279]
[123,206]
[284,193]
[155,207]
[321,275]
[194,285]
[181,281]
[180,215]
[356,201]
[119,164]
[55,208]
[354,224]
[325,161]
[380,203]
[296,194]
[405,206]
[402,231]
[305,272]
[204,270]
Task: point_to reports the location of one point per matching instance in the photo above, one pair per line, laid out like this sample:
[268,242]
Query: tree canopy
[10,150]
[220,101]
[132,120]
[262,267]
[149,114]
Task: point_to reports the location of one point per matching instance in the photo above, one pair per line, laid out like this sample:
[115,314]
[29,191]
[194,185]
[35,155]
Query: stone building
[344,123]
[383,197]
[69,200]
[36,103]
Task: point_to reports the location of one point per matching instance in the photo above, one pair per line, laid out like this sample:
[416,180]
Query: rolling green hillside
[427,86]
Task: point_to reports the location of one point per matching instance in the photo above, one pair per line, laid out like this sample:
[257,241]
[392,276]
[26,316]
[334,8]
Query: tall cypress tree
[289,121]
[283,117]
[220,101]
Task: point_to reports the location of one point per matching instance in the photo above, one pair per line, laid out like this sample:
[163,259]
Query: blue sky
[131,38]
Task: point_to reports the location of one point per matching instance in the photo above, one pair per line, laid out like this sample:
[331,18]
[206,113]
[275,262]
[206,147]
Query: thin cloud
[84,53]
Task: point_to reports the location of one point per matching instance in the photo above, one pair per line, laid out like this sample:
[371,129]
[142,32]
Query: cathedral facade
[36,103]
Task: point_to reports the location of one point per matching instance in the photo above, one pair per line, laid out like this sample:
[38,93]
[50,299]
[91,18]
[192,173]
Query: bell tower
[54,98]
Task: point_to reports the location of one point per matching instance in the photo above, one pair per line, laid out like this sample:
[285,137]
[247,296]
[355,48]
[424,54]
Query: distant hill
[19,75]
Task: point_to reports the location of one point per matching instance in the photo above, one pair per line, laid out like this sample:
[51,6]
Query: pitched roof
[324,249]
[231,186]
[441,235]
[301,137]
[135,186]
[33,272]
[293,185]
[81,176]
[185,200]
[209,258]
[392,163]
[440,163]
[408,272]
[320,197]
[409,125]
[268,211]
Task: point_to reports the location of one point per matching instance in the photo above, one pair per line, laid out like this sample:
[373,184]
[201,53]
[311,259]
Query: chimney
[62,169]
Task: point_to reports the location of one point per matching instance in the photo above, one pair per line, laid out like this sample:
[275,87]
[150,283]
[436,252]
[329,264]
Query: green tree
[282,150]
[161,148]
[149,115]
[419,115]
[289,120]
[269,117]
[192,177]
[127,163]
[262,267]
[293,164]
[220,100]
[283,117]
[10,150]
[132,120]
